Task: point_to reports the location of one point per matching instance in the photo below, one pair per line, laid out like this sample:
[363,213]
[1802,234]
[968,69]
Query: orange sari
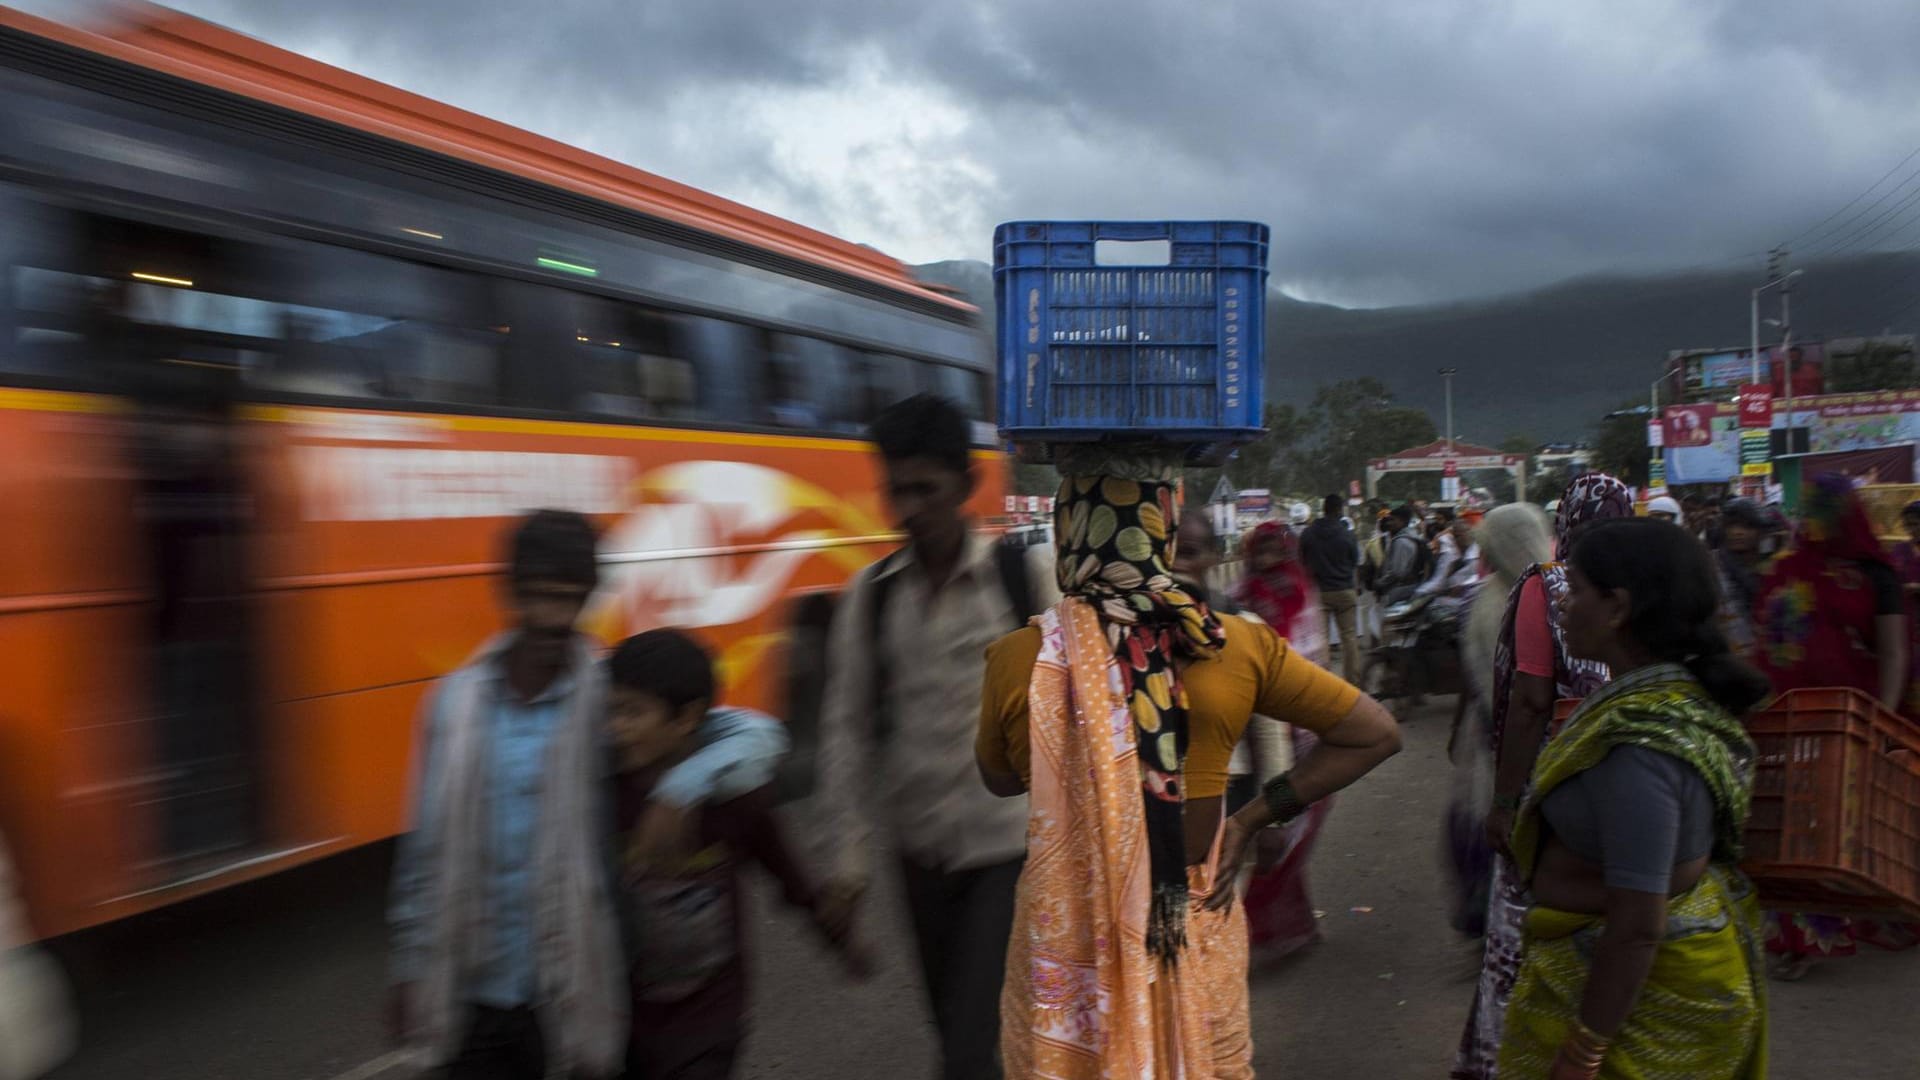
[1083,998]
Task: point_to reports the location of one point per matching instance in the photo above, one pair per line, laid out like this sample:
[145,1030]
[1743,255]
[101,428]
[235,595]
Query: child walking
[681,902]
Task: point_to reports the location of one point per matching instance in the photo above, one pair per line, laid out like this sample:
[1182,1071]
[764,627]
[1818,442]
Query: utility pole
[1776,260]
[1447,374]
[1786,351]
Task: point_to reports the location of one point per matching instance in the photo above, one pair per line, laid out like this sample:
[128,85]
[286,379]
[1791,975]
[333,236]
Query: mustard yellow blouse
[1255,673]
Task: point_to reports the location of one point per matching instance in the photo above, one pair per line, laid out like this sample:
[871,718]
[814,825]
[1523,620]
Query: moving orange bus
[282,353]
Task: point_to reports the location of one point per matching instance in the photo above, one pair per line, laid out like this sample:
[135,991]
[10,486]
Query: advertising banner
[1756,405]
[1689,425]
[1709,373]
[1806,361]
[1756,452]
[1725,369]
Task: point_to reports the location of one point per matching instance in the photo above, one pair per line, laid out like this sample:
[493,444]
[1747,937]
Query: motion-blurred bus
[283,351]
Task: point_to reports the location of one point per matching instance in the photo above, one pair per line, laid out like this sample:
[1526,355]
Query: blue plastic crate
[1169,353]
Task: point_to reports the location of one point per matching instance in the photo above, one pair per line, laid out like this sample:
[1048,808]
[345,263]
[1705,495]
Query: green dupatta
[1701,1014]
[1665,709]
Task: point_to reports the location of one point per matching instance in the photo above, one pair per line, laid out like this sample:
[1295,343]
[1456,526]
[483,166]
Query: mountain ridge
[1547,362]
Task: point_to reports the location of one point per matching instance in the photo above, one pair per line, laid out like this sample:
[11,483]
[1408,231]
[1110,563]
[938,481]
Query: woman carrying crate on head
[1118,711]
[1642,952]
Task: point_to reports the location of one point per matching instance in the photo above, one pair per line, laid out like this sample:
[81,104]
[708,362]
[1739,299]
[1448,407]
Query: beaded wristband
[1282,801]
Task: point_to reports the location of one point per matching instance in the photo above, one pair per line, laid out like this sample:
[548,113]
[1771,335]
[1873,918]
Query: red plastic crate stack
[1836,805]
[1835,825]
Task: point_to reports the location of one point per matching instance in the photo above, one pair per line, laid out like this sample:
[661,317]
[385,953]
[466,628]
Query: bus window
[368,326]
[611,376]
[53,300]
[964,387]
[49,317]
[807,384]
[672,386]
[720,358]
[882,380]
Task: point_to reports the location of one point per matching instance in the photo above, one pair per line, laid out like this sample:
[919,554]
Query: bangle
[1506,802]
[1585,1049]
[1587,1068]
[1588,1039]
[1282,801]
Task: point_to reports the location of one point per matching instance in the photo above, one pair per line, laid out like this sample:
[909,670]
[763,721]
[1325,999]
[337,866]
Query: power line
[1839,235]
[1863,236]
[1870,189]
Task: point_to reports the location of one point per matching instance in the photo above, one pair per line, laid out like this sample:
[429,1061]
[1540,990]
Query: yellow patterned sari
[1702,1013]
[1084,999]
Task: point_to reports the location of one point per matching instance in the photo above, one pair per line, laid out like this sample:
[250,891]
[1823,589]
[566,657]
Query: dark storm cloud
[1402,152]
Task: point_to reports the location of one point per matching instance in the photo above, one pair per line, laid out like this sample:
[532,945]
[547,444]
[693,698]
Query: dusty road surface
[282,981]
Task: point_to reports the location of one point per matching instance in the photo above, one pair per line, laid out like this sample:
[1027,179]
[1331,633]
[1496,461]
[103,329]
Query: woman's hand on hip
[1234,838]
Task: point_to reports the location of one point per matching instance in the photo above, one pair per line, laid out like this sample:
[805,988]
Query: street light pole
[1786,350]
[1753,323]
[1653,417]
[1447,374]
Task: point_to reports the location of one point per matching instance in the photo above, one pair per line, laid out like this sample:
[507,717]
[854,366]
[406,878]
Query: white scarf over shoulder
[582,994]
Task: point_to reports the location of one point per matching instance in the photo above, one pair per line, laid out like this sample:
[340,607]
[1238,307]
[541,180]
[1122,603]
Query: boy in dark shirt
[683,912]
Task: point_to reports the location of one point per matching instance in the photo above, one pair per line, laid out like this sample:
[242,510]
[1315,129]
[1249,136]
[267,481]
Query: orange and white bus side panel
[379,539]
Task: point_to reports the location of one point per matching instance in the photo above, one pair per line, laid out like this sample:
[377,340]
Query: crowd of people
[1100,776]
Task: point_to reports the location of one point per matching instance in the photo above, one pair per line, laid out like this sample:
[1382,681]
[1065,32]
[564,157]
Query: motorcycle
[1418,652]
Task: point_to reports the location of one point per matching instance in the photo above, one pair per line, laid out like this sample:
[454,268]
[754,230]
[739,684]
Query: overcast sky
[1403,152]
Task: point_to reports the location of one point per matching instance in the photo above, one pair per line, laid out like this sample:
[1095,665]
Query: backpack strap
[879,583]
[1008,560]
[1011,561]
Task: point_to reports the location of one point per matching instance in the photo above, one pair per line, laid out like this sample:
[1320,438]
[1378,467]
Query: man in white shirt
[1456,567]
[905,669]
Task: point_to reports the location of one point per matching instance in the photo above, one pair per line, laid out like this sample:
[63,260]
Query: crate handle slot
[1133,252]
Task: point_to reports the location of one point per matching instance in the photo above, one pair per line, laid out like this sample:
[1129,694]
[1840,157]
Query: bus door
[175,339]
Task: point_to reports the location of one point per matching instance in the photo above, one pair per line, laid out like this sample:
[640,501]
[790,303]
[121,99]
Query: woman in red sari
[1279,590]
[1831,612]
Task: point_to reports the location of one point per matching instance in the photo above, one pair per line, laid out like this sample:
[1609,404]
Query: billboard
[1695,375]
[1687,426]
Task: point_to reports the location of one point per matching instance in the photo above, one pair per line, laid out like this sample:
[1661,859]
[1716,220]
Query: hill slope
[1547,363]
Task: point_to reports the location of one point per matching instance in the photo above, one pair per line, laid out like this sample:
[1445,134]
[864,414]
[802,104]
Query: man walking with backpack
[1409,558]
[905,666]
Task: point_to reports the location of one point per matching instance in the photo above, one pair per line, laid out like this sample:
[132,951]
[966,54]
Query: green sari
[1702,1013]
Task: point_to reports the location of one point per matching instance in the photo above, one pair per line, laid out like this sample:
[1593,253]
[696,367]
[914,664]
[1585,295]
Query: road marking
[384,1063]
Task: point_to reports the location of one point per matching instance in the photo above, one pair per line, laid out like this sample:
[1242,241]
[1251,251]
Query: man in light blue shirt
[506,949]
